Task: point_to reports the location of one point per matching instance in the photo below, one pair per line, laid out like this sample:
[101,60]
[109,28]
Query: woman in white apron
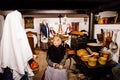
[44,30]
[56,57]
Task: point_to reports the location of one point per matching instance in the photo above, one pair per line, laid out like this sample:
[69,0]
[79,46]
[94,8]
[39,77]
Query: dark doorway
[75,26]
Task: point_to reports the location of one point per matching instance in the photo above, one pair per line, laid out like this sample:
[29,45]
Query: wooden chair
[31,38]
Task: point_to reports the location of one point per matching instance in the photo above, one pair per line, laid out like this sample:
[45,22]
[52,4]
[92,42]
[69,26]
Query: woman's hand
[60,67]
[57,66]
[54,65]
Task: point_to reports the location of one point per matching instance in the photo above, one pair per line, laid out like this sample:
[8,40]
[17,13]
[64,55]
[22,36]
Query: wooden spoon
[91,52]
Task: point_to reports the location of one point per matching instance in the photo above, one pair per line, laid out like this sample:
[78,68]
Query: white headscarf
[57,41]
[15,51]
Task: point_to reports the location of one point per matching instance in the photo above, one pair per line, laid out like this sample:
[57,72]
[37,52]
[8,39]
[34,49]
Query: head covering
[57,41]
[15,51]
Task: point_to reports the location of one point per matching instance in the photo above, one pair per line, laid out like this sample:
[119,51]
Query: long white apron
[55,74]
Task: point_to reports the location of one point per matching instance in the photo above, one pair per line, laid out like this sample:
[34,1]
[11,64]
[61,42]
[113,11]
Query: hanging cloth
[15,51]
[116,55]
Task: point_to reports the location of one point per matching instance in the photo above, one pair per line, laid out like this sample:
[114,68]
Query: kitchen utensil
[100,37]
[95,47]
[113,46]
[108,38]
[106,54]
[86,58]
[95,54]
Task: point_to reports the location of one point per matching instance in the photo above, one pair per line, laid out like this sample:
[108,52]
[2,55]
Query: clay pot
[92,61]
[102,60]
[70,52]
[85,58]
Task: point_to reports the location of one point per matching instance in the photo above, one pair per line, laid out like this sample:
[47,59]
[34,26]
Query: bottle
[100,20]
